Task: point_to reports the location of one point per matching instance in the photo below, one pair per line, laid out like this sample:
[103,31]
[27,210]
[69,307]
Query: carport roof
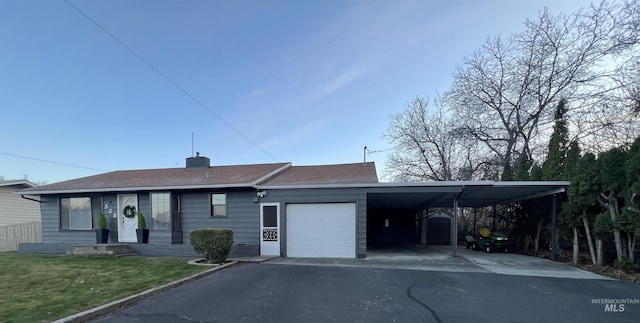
[442,194]
[469,194]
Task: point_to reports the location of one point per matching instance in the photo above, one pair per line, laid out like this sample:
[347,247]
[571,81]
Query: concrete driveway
[439,258]
[268,292]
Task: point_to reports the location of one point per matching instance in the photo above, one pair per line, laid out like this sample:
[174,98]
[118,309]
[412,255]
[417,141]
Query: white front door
[127,226]
[270,229]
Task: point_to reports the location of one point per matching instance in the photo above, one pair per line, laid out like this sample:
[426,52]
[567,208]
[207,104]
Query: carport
[392,206]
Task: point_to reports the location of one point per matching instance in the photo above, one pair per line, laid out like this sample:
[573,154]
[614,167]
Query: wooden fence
[12,235]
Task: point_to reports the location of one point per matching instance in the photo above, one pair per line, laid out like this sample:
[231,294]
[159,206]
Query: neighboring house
[273,209]
[19,217]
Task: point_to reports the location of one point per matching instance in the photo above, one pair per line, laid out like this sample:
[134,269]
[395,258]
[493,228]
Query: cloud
[341,80]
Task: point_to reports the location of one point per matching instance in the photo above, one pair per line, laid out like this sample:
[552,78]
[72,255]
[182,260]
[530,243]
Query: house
[19,217]
[273,209]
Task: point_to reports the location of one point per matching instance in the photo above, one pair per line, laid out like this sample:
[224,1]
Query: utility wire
[52,162]
[176,85]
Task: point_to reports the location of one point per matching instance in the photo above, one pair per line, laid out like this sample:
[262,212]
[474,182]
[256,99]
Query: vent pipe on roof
[198,161]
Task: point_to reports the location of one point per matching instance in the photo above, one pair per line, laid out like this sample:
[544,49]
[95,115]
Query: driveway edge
[99,310]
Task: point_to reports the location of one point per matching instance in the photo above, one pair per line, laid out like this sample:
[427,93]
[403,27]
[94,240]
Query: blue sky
[310,82]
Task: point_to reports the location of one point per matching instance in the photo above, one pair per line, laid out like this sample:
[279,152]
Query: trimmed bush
[102,221]
[213,244]
[142,222]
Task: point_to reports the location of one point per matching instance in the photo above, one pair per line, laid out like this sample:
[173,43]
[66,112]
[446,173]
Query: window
[75,213]
[219,204]
[160,211]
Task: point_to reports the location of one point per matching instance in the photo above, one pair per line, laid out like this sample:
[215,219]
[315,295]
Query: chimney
[198,162]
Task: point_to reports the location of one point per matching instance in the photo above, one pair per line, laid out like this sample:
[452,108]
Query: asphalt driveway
[264,292]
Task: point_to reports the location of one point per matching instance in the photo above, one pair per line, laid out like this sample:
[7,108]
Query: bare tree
[428,145]
[504,93]
[501,103]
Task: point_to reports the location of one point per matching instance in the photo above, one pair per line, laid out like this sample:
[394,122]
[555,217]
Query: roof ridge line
[271,175]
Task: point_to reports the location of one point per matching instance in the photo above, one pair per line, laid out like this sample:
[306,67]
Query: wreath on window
[129,211]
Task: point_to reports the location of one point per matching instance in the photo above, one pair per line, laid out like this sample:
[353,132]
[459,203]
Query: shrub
[142,223]
[102,221]
[625,264]
[212,243]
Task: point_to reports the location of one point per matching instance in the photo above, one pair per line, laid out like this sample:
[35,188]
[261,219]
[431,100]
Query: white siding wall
[14,209]
[12,235]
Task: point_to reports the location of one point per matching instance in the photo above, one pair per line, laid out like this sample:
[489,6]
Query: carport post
[454,234]
[426,228]
[475,213]
[554,222]
[493,227]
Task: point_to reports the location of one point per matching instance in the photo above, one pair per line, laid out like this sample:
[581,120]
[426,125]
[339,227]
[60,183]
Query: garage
[321,230]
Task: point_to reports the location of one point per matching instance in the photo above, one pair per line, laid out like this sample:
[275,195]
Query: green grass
[36,288]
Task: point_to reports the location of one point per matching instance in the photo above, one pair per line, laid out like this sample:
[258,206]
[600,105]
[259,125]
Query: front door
[269,229]
[127,226]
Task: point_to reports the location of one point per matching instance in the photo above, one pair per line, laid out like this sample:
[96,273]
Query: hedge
[214,244]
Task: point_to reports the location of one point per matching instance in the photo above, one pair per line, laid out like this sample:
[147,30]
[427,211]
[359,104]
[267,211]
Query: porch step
[117,250]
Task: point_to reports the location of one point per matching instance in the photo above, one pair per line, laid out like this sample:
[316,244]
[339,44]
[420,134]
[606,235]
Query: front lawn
[45,287]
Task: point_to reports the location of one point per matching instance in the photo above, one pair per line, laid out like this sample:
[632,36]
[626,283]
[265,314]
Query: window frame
[212,206]
[66,225]
[168,211]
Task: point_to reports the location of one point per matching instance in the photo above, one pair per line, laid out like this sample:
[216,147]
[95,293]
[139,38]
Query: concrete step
[103,249]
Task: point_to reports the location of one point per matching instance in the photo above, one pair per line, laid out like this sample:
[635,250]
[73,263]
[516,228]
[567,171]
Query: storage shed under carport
[437,228]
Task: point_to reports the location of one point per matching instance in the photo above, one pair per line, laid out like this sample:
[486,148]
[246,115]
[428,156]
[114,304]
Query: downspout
[30,199]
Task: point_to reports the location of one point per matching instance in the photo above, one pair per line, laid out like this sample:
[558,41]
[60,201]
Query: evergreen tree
[554,164]
[570,214]
[613,180]
[536,172]
[571,161]
[602,229]
[507,173]
[522,172]
[630,215]
[582,204]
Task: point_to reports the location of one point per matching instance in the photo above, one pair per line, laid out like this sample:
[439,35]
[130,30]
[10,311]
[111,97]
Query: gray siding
[111,201]
[243,218]
[51,233]
[332,195]
[243,215]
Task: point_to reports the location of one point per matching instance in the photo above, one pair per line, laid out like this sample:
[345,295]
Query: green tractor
[491,241]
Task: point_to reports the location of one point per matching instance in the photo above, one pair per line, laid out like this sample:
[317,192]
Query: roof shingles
[217,176]
[358,173]
[166,178]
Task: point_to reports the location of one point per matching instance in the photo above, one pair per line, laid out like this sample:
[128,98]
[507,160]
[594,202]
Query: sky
[306,82]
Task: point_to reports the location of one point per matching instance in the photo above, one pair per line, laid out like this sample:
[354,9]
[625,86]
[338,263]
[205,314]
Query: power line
[176,85]
[53,162]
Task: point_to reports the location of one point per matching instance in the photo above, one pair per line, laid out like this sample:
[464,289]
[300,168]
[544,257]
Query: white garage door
[321,230]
